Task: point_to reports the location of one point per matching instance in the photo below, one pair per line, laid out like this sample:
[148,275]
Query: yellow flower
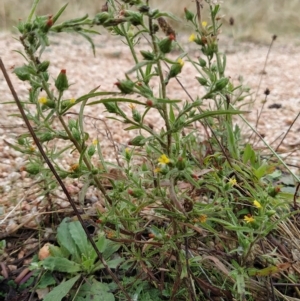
[72,101]
[157,170]
[249,218]
[192,37]
[202,218]
[257,204]
[43,100]
[95,142]
[204,24]
[131,106]
[110,234]
[74,167]
[180,62]
[232,181]
[163,159]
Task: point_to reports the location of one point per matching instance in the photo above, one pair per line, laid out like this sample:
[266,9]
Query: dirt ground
[85,72]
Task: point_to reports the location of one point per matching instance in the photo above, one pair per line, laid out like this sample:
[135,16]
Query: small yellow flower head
[180,62]
[110,234]
[74,167]
[32,148]
[192,37]
[249,218]
[232,181]
[257,204]
[163,159]
[131,106]
[72,101]
[95,142]
[202,218]
[43,100]
[127,150]
[157,170]
[204,24]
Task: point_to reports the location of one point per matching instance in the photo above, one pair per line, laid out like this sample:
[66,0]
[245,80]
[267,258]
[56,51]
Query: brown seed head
[166,27]
[267,92]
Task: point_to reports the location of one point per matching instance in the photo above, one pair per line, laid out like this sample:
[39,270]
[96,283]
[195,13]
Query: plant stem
[33,9]
[163,87]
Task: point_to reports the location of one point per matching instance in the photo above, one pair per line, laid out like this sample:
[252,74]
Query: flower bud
[22,73]
[136,115]
[111,107]
[46,137]
[144,9]
[147,55]
[101,18]
[165,45]
[188,14]
[42,67]
[135,18]
[202,81]
[202,62]
[61,82]
[273,191]
[181,163]
[137,141]
[125,86]
[21,140]
[136,192]
[175,69]
[49,104]
[33,168]
[76,134]
[72,123]
[221,83]
[91,150]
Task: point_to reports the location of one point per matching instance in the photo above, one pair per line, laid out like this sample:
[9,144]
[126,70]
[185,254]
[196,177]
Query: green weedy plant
[212,201]
[76,258]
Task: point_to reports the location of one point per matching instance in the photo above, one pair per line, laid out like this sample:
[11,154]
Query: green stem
[132,50]
[33,9]
[163,88]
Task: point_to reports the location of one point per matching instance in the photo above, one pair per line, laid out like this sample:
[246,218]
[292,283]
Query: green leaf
[139,66]
[61,265]
[232,144]
[60,291]
[261,171]
[65,240]
[110,249]
[248,154]
[112,264]
[162,100]
[213,113]
[94,290]
[58,14]
[56,251]
[94,94]
[46,280]
[120,99]
[169,15]
[79,237]
[89,39]
[102,243]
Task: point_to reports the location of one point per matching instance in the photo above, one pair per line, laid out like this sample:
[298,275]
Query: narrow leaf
[60,291]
